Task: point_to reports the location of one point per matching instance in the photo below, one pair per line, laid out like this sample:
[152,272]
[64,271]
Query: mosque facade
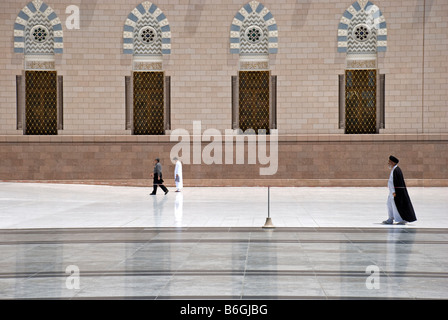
[280,93]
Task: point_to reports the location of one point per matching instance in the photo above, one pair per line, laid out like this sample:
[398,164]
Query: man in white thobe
[178,175]
[391,207]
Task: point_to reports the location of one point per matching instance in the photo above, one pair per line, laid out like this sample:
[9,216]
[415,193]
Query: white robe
[178,171]
[391,207]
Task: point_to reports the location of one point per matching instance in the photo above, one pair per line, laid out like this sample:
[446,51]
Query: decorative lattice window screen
[41,103]
[148,113]
[254,100]
[360,101]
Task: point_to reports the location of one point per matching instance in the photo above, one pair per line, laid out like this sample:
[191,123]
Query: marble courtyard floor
[208,243]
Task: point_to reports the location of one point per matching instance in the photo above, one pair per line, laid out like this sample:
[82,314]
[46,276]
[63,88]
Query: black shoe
[152,194]
[167,191]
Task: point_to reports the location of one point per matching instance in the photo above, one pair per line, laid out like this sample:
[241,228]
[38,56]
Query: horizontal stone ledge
[249,182]
[377,138]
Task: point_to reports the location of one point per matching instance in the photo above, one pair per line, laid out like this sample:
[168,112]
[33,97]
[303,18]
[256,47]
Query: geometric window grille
[41,103]
[39,34]
[254,100]
[147,35]
[360,101]
[148,93]
[254,34]
[362,32]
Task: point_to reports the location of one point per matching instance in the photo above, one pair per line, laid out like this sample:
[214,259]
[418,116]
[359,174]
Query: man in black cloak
[399,204]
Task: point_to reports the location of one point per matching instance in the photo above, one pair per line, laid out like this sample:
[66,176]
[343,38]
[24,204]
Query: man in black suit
[157,177]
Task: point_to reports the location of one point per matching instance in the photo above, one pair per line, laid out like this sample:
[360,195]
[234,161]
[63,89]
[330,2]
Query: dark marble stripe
[242,273]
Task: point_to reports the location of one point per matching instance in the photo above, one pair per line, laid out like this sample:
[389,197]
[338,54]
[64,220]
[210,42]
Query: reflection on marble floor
[230,263]
[79,241]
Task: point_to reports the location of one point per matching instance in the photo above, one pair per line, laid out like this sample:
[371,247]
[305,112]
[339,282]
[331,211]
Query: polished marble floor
[82,242]
[224,263]
[24,205]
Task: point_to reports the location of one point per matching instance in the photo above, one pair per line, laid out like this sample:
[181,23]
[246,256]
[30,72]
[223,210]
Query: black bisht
[402,200]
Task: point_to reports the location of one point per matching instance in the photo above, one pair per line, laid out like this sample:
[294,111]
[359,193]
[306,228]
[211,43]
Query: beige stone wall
[200,65]
[435,110]
[415,66]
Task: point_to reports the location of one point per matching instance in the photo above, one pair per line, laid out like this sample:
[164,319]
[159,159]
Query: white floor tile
[27,205]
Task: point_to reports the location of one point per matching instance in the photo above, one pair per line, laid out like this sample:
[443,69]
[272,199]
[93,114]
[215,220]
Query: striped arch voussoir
[133,18]
[379,23]
[235,28]
[22,20]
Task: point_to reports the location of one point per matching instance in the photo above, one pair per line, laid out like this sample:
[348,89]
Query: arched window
[254,35]
[147,36]
[362,33]
[38,34]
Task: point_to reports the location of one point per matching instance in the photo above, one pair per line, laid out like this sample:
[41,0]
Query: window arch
[38,34]
[254,17]
[38,30]
[147,36]
[254,35]
[362,33]
[146,31]
[364,14]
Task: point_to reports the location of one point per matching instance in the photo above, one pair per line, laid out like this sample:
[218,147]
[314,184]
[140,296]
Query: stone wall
[200,65]
[322,160]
